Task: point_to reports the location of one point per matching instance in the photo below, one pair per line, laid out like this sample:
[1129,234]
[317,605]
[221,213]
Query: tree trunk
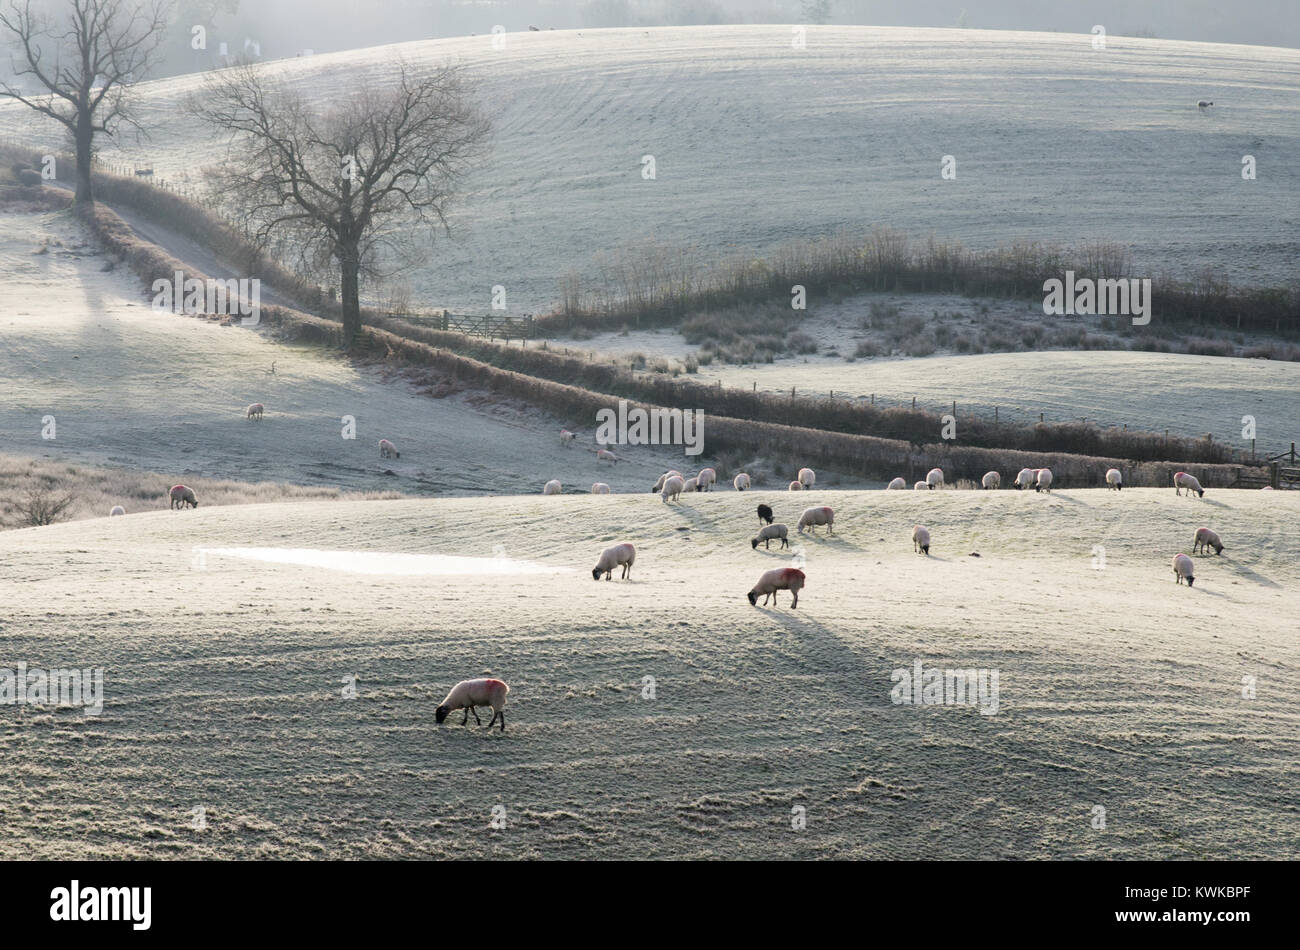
[85,196]
[350,264]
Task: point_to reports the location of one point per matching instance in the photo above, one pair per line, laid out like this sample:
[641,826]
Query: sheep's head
[753,599]
[441,713]
[1190,580]
[595,573]
[1200,493]
[753,543]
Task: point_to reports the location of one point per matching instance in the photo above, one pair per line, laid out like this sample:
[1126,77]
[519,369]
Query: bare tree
[342,186]
[84,65]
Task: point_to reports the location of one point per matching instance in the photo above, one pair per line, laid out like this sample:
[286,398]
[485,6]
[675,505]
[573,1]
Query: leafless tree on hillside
[342,184]
[84,65]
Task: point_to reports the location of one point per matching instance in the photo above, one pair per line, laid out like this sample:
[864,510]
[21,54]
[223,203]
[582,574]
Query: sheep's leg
[503,720]
[476,718]
[795,603]
[465,718]
[494,718]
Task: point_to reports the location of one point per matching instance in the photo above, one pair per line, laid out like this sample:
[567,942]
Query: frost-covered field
[224,681]
[756,143]
[127,386]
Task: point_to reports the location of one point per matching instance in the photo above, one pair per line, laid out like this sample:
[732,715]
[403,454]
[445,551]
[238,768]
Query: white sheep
[605,455]
[254,411]
[1043,481]
[1267,488]
[182,496]
[553,487]
[691,484]
[387,450]
[896,485]
[812,517]
[664,477]
[921,539]
[778,578]
[599,488]
[920,486]
[1025,478]
[769,533]
[1206,539]
[620,555]
[1183,569]
[1205,103]
[1114,479]
[991,480]
[566,437]
[934,478]
[740,482]
[673,488]
[706,479]
[470,693]
[116,510]
[807,477]
[1183,480]
[795,486]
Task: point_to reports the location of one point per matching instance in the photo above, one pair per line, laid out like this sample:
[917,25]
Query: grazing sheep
[807,477]
[740,482]
[255,411]
[1183,569]
[673,489]
[896,485]
[934,478]
[182,496]
[470,693]
[991,480]
[795,486]
[706,479]
[620,555]
[116,510]
[920,486]
[566,437]
[764,514]
[1043,482]
[605,455]
[553,487]
[768,534]
[1114,479]
[1025,478]
[1205,103]
[691,484]
[659,485]
[387,450]
[779,578]
[599,488]
[1206,539]
[1183,480]
[921,539]
[812,517]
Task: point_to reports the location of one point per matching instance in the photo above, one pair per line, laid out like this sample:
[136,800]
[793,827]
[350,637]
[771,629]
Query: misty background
[257,30]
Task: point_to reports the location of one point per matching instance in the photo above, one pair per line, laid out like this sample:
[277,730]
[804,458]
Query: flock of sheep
[670,486]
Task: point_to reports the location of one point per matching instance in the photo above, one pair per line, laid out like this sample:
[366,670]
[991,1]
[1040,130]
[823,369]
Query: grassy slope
[756,143]
[1118,687]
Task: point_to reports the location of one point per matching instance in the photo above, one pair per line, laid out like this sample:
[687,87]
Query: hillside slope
[756,143]
[224,678]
